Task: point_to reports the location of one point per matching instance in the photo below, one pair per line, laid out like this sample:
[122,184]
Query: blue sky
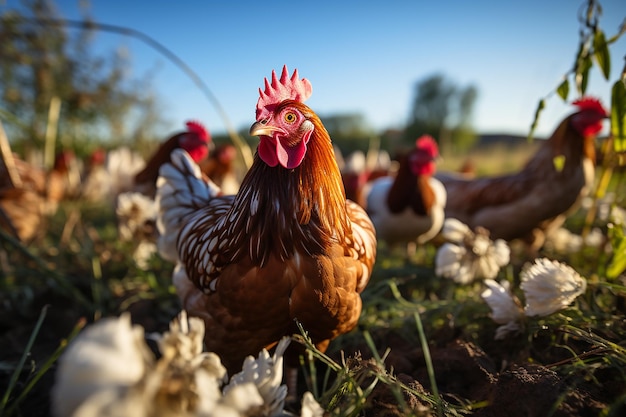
[361,57]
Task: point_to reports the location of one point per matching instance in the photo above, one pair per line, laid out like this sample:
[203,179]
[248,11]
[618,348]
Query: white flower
[469,255]
[618,216]
[266,373]
[454,230]
[448,263]
[110,356]
[564,241]
[596,239]
[549,286]
[310,407]
[242,400]
[136,216]
[108,370]
[505,307]
[143,253]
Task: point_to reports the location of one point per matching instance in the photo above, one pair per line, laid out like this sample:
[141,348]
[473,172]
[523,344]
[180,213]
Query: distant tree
[41,61]
[443,110]
[349,131]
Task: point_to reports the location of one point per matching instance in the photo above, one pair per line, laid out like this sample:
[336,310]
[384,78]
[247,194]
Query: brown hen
[220,168]
[287,247]
[531,203]
[29,194]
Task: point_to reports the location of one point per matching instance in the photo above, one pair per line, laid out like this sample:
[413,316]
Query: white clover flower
[242,400]
[448,263]
[108,370]
[310,407]
[505,307]
[618,215]
[266,373]
[564,241]
[469,255]
[454,230]
[603,205]
[109,356]
[143,253]
[549,286]
[596,239]
[134,211]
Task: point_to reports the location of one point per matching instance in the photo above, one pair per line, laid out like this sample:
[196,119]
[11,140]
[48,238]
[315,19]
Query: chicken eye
[290,117]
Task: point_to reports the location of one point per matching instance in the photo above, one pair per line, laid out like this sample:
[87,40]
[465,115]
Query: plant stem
[20,365]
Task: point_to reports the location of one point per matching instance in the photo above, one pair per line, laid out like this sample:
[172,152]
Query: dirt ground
[498,379]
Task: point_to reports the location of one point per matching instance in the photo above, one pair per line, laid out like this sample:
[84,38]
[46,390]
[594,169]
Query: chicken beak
[261,128]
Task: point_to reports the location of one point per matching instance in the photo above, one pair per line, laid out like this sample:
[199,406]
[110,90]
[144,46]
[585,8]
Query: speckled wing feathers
[181,191]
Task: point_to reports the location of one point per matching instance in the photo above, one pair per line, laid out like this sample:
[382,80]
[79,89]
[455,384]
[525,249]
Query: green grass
[78,272]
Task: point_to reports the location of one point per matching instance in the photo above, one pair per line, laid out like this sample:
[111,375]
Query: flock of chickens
[285,246]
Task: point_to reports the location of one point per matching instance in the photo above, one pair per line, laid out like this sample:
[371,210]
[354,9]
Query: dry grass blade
[46,366]
[7,158]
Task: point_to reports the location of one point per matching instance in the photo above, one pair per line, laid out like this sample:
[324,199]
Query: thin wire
[243,146]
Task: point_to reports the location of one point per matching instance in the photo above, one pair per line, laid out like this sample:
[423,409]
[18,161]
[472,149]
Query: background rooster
[286,247]
[531,203]
[410,206]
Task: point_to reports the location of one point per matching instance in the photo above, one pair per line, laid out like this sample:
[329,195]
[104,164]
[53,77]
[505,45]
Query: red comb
[199,129]
[590,103]
[428,144]
[283,89]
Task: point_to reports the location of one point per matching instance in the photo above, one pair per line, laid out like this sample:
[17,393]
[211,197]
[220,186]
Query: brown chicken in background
[287,247]
[408,207]
[29,194]
[531,203]
[220,168]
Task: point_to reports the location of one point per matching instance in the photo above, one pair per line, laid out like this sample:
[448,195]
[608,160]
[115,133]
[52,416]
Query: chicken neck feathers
[277,212]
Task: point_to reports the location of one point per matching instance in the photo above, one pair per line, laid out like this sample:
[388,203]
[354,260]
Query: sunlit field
[513,303]
[490,160]
[420,335]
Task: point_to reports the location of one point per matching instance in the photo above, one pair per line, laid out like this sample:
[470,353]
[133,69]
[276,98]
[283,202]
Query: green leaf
[533,126]
[582,74]
[618,263]
[618,116]
[559,162]
[579,56]
[563,89]
[601,52]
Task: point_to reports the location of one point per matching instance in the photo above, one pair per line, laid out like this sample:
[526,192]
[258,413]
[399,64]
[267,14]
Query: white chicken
[409,207]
